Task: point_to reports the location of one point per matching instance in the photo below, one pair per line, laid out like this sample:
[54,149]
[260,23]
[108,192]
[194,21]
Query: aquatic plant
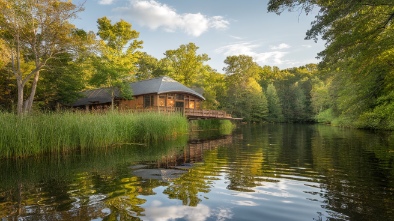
[225,127]
[62,132]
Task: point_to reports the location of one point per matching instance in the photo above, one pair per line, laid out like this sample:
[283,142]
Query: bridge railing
[190,113]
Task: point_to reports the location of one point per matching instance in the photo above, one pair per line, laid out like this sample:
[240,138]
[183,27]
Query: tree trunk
[29,101]
[20,98]
[112,99]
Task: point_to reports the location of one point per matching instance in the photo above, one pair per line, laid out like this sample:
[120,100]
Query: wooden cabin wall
[163,100]
[137,102]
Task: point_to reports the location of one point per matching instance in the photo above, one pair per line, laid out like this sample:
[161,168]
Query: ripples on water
[262,172]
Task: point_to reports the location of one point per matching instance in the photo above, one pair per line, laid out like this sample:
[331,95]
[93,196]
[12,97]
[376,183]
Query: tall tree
[214,87]
[274,105]
[115,65]
[243,67]
[245,97]
[147,66]
[185,65]
[359,53]
[35,31]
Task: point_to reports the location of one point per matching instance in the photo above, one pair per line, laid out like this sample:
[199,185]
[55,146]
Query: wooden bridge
[191,114]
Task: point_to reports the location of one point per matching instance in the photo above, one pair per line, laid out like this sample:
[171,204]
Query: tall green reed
[62,132]
[225,127]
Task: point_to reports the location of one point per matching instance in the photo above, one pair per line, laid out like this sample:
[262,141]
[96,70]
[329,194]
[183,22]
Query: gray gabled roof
[158,85]
[161,85]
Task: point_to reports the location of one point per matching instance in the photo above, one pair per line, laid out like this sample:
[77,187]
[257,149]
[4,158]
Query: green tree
[243,67]
[245,97]
[214,86]
[294,91]
[184,64]
[147,66]
[246,100]
[61,84]
[115,66]
[35,31]
[274,105]
[358,54]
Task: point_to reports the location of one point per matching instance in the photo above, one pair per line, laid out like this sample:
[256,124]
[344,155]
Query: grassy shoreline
[64,132]
[225,127]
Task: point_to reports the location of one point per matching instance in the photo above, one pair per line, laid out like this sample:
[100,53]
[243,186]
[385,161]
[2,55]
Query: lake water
[261,172]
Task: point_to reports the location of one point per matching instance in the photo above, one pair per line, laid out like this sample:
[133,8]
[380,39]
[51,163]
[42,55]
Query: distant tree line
[46,61]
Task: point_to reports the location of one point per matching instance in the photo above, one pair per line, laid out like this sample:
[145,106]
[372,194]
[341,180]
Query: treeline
[352,86]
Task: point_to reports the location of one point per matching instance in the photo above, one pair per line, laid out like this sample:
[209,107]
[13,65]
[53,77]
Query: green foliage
[274,106]
[358,56]
[185,65]
[325,117]
[61,83]
[225,127]
[115,65]
[34,32]
[294,91]
[381,117]
[63,132]
[243,67]
[147,67]
[245,97]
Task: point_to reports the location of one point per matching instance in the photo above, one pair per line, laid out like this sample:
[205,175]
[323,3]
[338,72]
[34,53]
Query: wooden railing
[189,113]
[206,113]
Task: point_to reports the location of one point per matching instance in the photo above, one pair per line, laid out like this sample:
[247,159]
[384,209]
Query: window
[179,97]
[170,101]
[148,101]
[162,100]
[197,104]
[191,104]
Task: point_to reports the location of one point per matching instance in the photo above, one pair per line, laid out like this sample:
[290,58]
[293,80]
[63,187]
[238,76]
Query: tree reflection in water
[314,171]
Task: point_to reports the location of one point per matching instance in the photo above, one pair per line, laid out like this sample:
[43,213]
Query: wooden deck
[191,114]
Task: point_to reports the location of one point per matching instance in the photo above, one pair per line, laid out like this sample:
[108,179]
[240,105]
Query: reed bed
[225,127]
[62,132]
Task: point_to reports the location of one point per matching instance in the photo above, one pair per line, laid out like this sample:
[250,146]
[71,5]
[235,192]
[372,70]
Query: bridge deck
[189,113]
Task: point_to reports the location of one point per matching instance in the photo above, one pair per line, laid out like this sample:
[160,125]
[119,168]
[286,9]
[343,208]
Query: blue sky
[219,28]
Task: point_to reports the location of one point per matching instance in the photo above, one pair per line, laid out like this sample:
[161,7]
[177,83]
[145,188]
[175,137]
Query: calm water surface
[262,172]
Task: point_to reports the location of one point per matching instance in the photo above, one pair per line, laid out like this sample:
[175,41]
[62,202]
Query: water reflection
[262,172]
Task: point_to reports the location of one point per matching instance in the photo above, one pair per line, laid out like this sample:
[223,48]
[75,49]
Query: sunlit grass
[62,132]
[225,127]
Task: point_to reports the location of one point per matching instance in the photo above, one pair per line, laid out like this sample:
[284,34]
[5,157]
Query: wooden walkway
[191,114]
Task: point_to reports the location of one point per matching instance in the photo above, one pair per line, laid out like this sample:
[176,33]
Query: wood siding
[181,100]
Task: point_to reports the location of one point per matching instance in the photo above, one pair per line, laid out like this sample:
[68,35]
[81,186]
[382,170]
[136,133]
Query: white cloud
[280,46]
[106,2]
[156,15]
[247,48]
[235,37]
[307,46]
[163,213]
[224,214]
[218,22]
[244,203]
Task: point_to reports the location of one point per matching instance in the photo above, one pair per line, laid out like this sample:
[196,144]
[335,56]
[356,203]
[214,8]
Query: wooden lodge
[162,94]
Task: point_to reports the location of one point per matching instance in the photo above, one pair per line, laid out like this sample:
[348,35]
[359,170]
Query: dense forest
[46,61]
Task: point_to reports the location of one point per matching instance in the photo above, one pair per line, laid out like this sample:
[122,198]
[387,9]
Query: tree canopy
[359,55]
[34,31]
[115,65]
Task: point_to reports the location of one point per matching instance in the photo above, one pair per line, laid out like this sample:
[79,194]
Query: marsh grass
[225,127]
[62,132]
